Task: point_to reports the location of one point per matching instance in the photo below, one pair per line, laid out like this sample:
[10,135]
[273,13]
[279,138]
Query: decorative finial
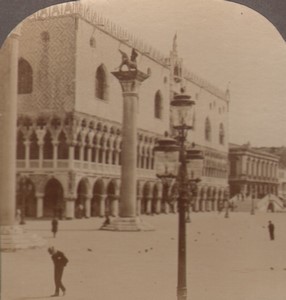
[175,43]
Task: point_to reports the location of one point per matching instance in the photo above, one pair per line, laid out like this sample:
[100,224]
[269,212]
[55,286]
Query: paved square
[227,259]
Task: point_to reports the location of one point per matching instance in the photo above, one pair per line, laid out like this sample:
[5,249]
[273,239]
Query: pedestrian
[60,261]
[18,215]
[271,228]
[107,220]
[55,223]
[80,211]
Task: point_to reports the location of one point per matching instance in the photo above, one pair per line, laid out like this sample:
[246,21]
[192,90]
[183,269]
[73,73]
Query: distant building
[253,173]
[281,153]
[70,114]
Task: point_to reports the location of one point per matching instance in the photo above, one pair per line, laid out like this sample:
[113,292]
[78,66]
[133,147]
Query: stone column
[196,204]
[102,205]
[158,205]
[41,154]
[89,153]
[40,205]
[71,154]
[166,207]
[12,237]
[55,153]
[128,221]
[81,151]
[70,209]
[148,205]
[115,206]
[139,199]
[27,154]
[117,153]
[87,204]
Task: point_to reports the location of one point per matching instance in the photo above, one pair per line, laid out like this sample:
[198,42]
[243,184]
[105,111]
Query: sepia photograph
[143,150]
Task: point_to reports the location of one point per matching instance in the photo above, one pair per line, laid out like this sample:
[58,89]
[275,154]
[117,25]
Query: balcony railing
[99,168]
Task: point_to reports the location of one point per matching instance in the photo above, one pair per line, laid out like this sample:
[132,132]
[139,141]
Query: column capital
[130,80]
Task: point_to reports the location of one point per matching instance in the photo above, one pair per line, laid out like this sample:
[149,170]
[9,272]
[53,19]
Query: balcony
[92,167]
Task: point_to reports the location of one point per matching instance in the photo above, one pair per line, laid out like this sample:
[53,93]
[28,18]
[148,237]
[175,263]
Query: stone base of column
[13,237]
[127,224]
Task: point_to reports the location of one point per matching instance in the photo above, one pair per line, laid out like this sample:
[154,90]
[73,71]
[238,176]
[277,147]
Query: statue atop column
[129,62]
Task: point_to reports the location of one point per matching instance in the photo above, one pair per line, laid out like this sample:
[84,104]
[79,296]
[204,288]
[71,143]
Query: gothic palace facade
[70,114]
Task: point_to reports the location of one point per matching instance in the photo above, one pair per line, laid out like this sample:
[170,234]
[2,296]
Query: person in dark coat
[55,224]
[271,230]
[60,261]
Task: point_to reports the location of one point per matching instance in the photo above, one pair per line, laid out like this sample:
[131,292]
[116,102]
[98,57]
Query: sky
[225,43]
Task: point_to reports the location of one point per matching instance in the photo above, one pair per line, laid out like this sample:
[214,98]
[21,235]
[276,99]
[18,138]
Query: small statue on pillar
[129,62]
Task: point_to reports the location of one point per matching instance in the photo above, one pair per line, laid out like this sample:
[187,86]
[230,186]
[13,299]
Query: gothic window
[48,146]
[34,147]
[94,149]
[142,158]
[101,87]
[92,42]
[101,150]
[107,152]
[63,148]
[207,129]
[21,149]
[221,134]
[25,77]
[85,149]
[77,148]
[147,159]
[114,153]
[158,105]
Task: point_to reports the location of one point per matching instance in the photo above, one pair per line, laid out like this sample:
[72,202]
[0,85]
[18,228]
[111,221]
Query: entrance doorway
[53,199]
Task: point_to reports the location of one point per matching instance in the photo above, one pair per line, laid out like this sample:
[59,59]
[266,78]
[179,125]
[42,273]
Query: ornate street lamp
[171,162]
[166,162]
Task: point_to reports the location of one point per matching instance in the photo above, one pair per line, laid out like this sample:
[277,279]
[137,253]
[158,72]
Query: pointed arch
[77,147]
[25,77]
[101,83]
[63,147]
[48,147]
[34,146]
[207,129]
[221,134]
[21,149]
[158,105]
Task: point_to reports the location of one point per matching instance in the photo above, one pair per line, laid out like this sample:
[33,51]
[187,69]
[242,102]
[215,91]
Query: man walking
[271,230]
[60,261]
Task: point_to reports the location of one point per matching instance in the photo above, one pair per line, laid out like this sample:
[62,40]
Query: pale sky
[222,42]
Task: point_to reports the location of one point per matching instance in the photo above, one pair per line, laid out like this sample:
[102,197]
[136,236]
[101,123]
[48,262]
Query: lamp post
[171,161]
[193,186]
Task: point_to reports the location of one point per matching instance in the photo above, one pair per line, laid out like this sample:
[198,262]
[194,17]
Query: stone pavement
[227,259]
